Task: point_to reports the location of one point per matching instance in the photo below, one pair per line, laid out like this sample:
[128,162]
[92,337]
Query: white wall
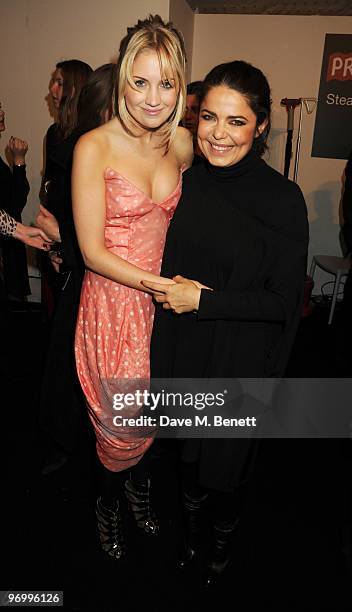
[183,18]
[289,50]
[38,33]
[35,35]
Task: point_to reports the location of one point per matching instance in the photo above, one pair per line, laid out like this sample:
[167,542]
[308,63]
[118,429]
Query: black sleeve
[282,288]
[71,255]
[20,190]
[5,186]
[14,189]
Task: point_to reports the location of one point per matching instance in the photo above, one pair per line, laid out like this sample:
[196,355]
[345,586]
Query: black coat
[347,206]
[55,193]
[242,231]
[14,189]
[62,414]
[345,328]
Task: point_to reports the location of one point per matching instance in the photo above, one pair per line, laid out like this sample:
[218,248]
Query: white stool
[339,266]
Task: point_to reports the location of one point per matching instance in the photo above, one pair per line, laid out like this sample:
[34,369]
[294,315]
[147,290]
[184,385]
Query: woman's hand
[32,236]
[56,261]
[18,148]
[48,223]
[181,297]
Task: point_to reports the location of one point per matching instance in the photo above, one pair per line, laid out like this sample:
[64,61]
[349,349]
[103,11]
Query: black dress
[14,189]
[62,412]
[242,231]
[55,195]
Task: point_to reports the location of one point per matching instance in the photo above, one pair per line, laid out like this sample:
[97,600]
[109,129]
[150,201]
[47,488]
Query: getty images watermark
[166,403]
[227,408]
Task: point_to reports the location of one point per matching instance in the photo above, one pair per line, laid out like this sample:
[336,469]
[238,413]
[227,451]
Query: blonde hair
[152,33]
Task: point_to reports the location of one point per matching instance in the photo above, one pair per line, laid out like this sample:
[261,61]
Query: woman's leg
[108,513]
[194,498]
[111,486]
[225,521]
[138,495]
[140,473]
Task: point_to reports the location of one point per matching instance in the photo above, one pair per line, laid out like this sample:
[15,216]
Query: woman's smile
[153,98]
[220,149]
[227,126]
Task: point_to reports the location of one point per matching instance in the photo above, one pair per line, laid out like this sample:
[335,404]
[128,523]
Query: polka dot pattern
[115,322]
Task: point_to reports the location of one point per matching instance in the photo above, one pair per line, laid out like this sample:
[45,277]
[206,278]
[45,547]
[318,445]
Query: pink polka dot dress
[115,322]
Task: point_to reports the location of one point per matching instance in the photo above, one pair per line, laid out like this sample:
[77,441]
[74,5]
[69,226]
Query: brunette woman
[62,411]
[65,87]
[241,229]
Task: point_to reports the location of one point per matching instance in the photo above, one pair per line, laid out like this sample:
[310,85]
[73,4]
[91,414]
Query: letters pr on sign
[333,122]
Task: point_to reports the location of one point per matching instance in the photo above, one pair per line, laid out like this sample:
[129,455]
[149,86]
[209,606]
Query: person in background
[62,410]
[347,206]
[190,119]
[65,87]
[244,235]
[126,179]
[343,336]
[31,236]
[14,189]
[343,343]
[347,234]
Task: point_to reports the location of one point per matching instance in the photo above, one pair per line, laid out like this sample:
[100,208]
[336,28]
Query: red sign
[333,121]
[339,67]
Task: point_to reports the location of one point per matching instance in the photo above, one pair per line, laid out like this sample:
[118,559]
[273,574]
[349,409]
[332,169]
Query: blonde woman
[127,178]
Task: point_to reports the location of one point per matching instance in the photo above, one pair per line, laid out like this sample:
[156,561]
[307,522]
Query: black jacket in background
[347,206]
[55,193]
[14,189]
[62,410]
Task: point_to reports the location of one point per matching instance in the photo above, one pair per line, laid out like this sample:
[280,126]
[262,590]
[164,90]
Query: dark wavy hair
[95,100]
[75,73]
[252,84]
[194,88]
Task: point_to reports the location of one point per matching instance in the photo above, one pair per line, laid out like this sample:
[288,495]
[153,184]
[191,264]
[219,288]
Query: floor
[291,551]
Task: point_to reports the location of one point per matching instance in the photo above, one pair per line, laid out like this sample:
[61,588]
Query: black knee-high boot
[194,500]
[137,490]
[226,520]
[108,514]
[192,526]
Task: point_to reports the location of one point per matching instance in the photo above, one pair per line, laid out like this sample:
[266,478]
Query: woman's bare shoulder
[97,143]
[183,136]
[90,141]
[183,146]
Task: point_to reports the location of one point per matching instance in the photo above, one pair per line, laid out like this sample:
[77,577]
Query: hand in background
[18,149]
[48,223]
[32,236]
[56,261]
